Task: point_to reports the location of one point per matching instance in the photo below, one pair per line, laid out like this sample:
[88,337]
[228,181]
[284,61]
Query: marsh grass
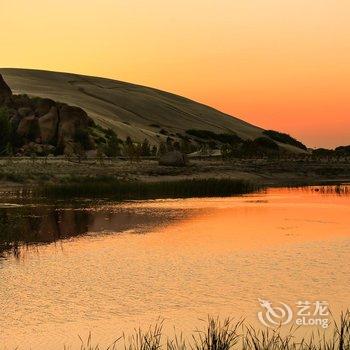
[229,335]
[119,189]
[223,335]
[148,340]
[340,189]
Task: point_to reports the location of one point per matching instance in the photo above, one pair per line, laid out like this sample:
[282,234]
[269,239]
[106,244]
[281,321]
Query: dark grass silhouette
[117,189]
[229,335]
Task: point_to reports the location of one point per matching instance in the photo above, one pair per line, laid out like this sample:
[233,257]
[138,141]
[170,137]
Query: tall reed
[229,335]
[118,189]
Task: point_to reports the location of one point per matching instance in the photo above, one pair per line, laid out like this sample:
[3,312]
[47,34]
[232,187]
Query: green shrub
[284,138]
[266,143]
[111,148]
[210,135]
[82,136]
[323,152]
[343,150]
[145,148]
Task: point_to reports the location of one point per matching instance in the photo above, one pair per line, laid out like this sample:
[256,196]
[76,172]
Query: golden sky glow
[281,64]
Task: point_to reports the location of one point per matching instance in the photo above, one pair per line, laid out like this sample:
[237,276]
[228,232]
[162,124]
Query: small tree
[79,151]
[185,146]
[5,131]
[205,149]
[154,150]
[138,152]
[145,148]
[9,153]
[226,151]
[161,149]
[169,144]
[129,149]
[177,146]
[100,154]
[82,137]
[128,141]
[112,144]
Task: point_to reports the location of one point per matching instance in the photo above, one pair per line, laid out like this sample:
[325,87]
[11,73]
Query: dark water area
[28,225]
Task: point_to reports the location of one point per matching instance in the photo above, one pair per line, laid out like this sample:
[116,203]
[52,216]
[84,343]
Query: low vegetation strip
[284,138]
[222,137]
[118,189]
[227,335]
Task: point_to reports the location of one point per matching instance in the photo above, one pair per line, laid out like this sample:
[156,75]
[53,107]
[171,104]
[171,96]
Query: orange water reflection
[218,258]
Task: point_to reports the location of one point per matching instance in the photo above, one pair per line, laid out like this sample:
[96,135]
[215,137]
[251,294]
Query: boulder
[5,91]
[75,114]
[71,119]
[28,128]
[24,111]
[43,106]
[174,158]
[48,125]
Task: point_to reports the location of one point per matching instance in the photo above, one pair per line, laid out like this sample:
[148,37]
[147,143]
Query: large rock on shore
[43,106]
[48,125]
[28,128]
[5,91]
[174,158]
[71,119]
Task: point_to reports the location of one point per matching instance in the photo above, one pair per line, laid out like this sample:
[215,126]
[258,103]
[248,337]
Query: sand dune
[131,110]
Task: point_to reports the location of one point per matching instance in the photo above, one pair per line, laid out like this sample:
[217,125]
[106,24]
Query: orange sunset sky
[280,64]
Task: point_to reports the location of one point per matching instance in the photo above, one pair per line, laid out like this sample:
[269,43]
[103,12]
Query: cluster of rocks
[42,125]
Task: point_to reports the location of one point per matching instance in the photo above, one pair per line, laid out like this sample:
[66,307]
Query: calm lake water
[108,268]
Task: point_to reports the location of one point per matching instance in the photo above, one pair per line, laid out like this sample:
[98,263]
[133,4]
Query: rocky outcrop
[42,124]
[5,91]
[72,119]
[48,124]
[24,111]
[43,106]
[28,128]
[174,158]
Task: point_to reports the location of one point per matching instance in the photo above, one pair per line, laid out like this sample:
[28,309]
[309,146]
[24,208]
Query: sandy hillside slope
[131,110]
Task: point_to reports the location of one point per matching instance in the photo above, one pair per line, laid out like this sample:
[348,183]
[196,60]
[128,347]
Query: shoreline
[25,173]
